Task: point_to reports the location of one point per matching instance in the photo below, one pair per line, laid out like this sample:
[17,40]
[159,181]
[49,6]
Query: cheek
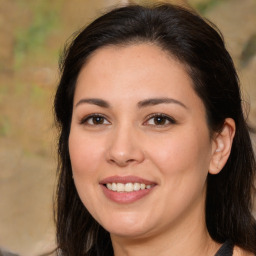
[84,154]
[184,154]
[183,163]
[85,159]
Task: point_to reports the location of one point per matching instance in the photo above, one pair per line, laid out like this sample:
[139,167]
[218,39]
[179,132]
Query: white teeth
[136,186]
[120,187]
[127,187]
[114,187]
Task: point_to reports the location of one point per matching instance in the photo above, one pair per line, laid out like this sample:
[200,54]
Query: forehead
[126,75]
[137,66]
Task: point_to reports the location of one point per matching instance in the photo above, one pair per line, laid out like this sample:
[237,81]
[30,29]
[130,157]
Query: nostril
[130,160]
[121,162]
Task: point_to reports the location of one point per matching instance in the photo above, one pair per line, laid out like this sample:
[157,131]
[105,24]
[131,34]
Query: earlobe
[222,144]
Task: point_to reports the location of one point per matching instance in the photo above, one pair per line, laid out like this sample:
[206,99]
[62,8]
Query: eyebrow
[141,104]
[156,101]
[94,101]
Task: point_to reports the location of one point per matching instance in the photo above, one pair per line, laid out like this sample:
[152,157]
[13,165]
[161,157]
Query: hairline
[153,42]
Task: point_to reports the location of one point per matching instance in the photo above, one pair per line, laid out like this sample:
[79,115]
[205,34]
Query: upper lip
[126,179]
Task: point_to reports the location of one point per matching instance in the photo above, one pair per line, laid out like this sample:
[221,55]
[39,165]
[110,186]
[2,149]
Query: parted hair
[199,45]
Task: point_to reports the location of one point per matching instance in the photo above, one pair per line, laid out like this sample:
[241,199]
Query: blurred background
[33,33]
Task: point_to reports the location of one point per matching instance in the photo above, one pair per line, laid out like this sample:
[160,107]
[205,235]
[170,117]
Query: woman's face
[139,143]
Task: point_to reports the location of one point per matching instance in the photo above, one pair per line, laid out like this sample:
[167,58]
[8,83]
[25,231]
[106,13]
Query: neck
[189,245]
[187,237]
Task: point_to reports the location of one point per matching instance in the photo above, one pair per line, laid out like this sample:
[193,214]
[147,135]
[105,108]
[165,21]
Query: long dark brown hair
[200,47]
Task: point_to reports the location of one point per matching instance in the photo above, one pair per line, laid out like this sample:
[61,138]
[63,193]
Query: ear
[221,146]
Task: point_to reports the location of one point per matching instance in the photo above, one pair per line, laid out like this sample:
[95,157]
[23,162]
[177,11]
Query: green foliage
[37,94]
[205,6]
[5,126]
[31,39]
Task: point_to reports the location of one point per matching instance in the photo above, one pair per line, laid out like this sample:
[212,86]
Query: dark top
[5,253]
[226,249]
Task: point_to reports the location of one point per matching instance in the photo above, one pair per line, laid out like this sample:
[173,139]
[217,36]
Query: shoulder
[241,252]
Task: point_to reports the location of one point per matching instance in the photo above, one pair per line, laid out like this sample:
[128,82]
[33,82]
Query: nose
[125,147]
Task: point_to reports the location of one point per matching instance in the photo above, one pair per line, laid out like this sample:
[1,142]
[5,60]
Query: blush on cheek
[172,155]
[84,159]
[83,164]
[77,147]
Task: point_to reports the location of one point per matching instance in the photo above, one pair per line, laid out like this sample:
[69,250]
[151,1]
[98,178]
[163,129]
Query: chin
[128,233]
[129,229]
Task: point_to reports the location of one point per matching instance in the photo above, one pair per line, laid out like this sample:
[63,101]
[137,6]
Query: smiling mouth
[127,187]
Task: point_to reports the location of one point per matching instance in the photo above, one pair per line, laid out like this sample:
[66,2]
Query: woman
[155,154]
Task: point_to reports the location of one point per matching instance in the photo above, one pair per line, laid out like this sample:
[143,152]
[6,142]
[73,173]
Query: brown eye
[160,120]
[95,120]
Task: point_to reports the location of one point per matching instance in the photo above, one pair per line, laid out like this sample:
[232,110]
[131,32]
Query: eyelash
[91,116]
[164,117]
[160,115]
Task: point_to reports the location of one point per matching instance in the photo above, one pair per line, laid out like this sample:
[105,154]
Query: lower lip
[125,197]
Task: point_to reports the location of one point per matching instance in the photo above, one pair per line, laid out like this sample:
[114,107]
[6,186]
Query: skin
[127,140]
